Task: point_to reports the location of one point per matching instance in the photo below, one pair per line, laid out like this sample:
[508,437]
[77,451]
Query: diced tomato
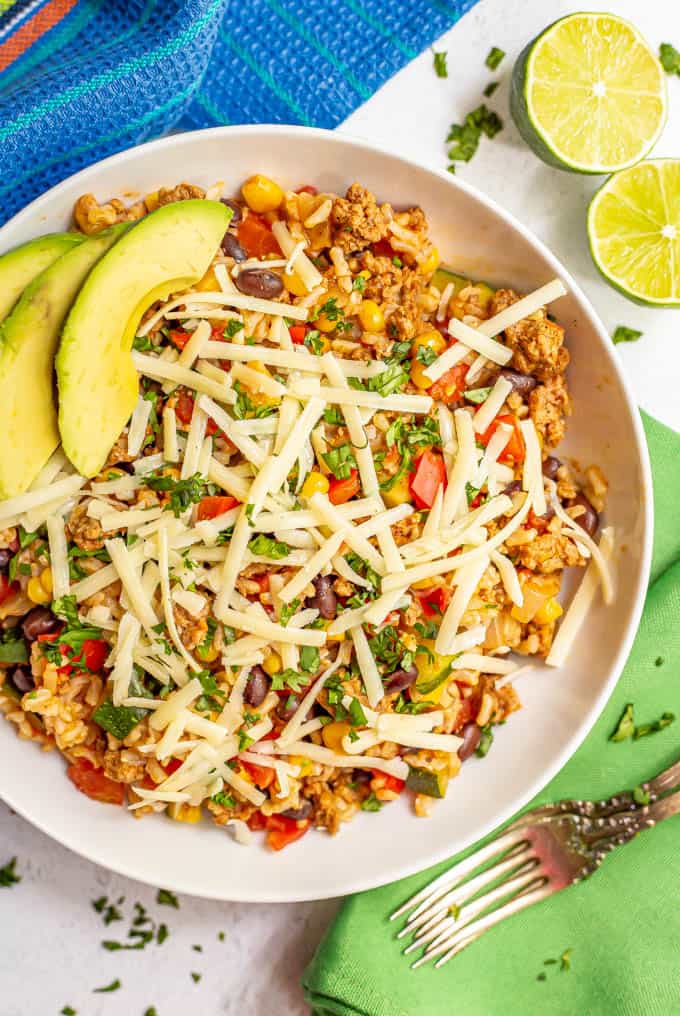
[429,475]
[467,710]
[262,581]
[95,652]
[211,507]
[539,522]
[297,333]
[342,490]
[513,452]
[307,189]
[256,237]
[389,782]
[172,766]
[450,385]
[434,601]
[257,821]
[184,407]
[94,783]
[262,776]
[443,328]
[281,831]
[179,338]
[383,249]
[217,335]
[7,588]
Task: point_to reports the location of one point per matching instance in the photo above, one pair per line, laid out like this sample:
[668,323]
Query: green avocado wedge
[164,253]
[28,340]
[20,266]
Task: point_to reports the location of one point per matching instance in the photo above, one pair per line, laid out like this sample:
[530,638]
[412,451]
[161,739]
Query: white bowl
[559,707]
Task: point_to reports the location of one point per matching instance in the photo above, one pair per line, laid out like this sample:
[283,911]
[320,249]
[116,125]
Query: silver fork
[542,852]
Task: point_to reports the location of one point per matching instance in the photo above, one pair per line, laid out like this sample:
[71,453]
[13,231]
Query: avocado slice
[443,276]
[20,266]
[164,253]
[28,339]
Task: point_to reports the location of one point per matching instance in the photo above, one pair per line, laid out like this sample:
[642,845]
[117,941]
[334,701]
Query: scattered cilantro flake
[490,89]
[162,934]
[622,333]
[167,899]
[195,977]
[183,493]
[143,344]
[315,341]
[113,986]
[389,381]
[310,659]
[359,283]
[542,976]
[340,461]
[8,874]
[371,803]
[659,661]
[439,61]
[565,959]
[233,328]
[641,796]
[220,936]
[151,1011]
[485,742]
[426,355]
[266,547]
[224,799]
[464,138]
[197,948]
[494,57]
[625,726]
[68,1010]
[654,727]
[670,58]
[290,679]
[287,611]
[357,716]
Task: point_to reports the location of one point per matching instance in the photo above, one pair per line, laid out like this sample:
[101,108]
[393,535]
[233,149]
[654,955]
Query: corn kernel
[316,483]
[37,592]
[430,263]
[371,316]
[399,493]
[272,664]
[550,611]
[333,733]
[324,324]
[181,812]
[294,284]
[423,584]
[208,654]
[428,340]
[418,376]
[261,194]
[46,580]
[208,282]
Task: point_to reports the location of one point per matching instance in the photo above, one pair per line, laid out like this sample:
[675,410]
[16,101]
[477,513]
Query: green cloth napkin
[622,924]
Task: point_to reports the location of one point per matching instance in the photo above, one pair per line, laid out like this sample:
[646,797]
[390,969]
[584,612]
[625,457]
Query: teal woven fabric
[82,79]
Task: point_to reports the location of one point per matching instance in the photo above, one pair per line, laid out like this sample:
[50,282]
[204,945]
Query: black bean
[259,282]
[236,209]
[232,248]
[125,467]
[523,384]
[325,601]
[287,707]
[22,679]
[588,518]
[471,735]
[257,687]
[550,467]
[5,558]
[40,621]
[297,814]
[401,679]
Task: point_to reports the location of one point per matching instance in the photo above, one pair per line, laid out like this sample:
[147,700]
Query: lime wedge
[589,95]
[634,232]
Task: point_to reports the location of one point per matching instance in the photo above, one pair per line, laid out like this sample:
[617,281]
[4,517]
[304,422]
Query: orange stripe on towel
[47,17]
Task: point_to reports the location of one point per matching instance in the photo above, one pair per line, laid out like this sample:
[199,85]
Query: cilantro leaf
[670,58]
[494,57]
[266,547]
[371,803]
[8,874]
[167,899]
[622,333]
[439,60]
[626,725]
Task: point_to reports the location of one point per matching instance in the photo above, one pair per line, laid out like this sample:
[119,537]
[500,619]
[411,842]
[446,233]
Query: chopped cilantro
[389,381]
[622,333]
[357,716]
[439,61]
[333,416]
[221,936]
[310,659]
[626,725]
[120,720]
[287,611]
[143,344]
[485,741]
[183,493]
[670,58]
[233,328]
[565,960]
[402,705]
[641,796]
[426,355]
[654,727]
[8,874]
[167,899]
[195,977]
[371,803]
[68,1010]
[340,461]
[266,547]
[113,986]
[658,662]
[224,799]
[494,57]
[291,679]
[162,934]
[359,283]
[314,340]
[490,89]
[477,395]
[464,138]
[151,1011]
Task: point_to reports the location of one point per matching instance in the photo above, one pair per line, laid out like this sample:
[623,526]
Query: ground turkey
[537,343]
[357,220]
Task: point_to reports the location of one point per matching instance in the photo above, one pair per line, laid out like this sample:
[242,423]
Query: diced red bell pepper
[434,601]
[513,453]
[95,783]
[94,653]
[256,237]
[179,338]
[172,766]
[282,831]
[340,491]
[538,522]
[211,507]
[7,588]
[262,776]
[297,333]
[307,189]
[389,782]
[257,821]
[262,581]
[450,385]
[429,475]
[184,407]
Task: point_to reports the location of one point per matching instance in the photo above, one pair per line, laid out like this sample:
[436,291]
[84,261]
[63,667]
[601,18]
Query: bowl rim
[186,884]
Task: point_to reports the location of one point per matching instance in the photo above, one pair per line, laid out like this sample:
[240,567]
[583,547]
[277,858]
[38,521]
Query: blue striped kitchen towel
[82,79]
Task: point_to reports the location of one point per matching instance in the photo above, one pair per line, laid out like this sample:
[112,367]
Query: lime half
[589,95]
[634,231]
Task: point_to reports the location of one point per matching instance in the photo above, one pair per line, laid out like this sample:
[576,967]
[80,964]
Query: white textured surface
[49,935]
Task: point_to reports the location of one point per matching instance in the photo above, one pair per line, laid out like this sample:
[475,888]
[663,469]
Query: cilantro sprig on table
[626,727]
[670,58]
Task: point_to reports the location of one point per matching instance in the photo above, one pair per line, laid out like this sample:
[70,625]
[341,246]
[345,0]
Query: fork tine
[443,882]
[506,861]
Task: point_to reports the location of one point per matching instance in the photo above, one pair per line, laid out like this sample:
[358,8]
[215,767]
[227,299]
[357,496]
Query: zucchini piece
[427,781]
